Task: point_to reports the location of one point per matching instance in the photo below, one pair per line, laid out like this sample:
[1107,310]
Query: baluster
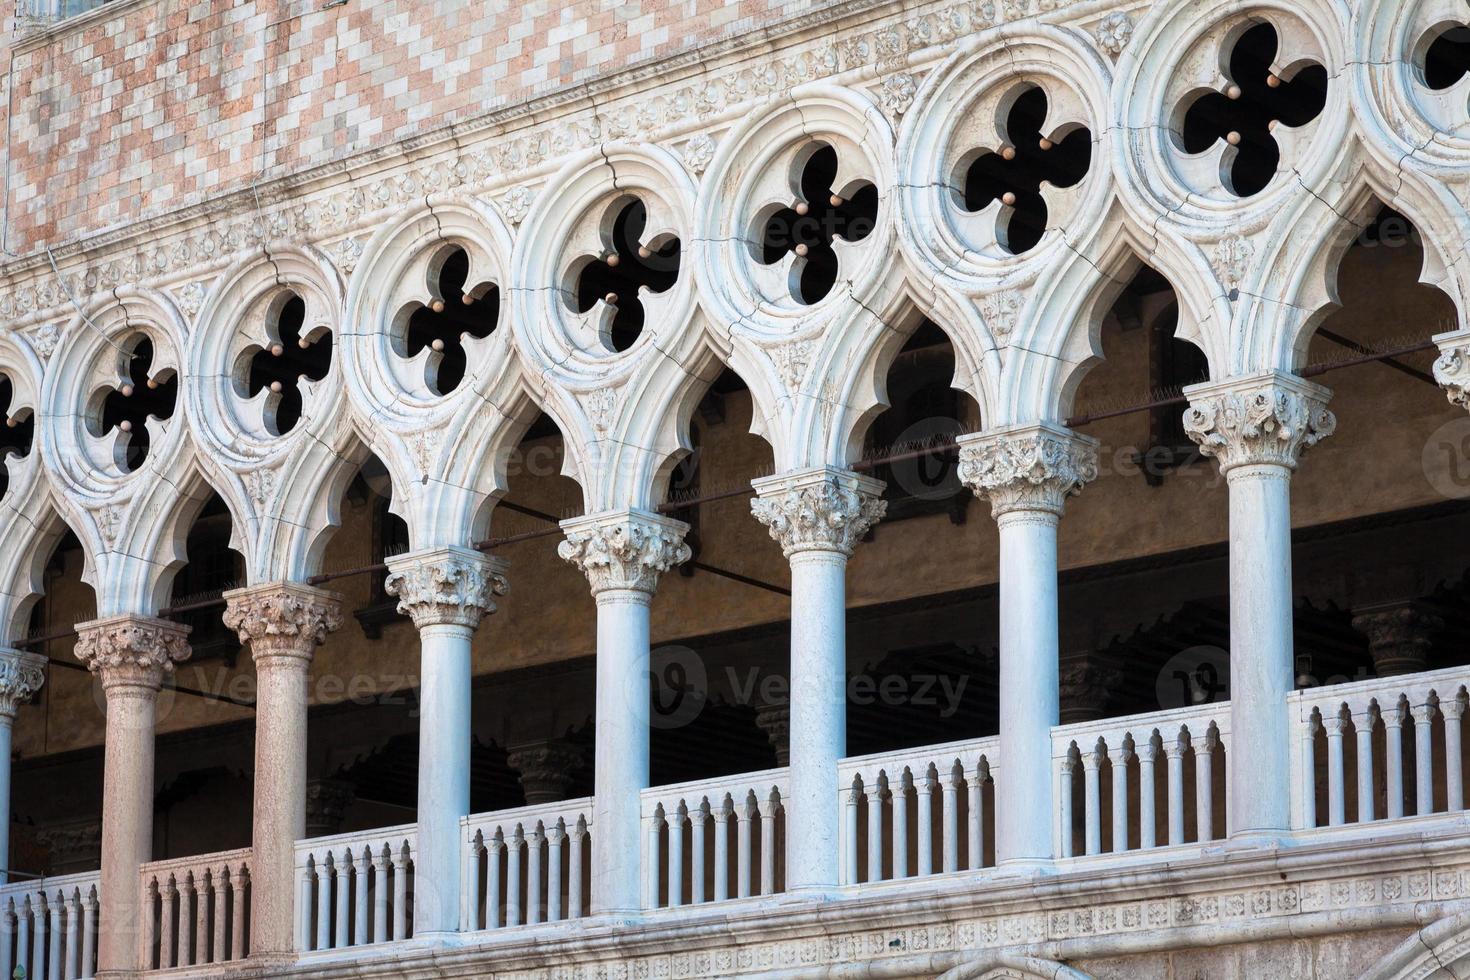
[74,933]
[1204,786]
[743,814]
[343,865]
[188,891]
[768,843]
[473,895]
[1148,752]
[951,818]
[360,865]
[533,874]
[152,918]
[89,933]
[1067,765]
[653,874]
[35,936]
[1454,781]
[1175,751]
[1363,728]
[200,953]
[1119,770]
[975,821]
[925,814]
[697,818]
[221,886]
[513,877]
[23,933]
[324,902]
[240,881]
[722,816]
[1309,770]
[168,946]
[554,839]
[53,958]
[899,799]
[875,828]
[574,868]
[305,902]
[1393,748]
[381,863]
[492,880]
[1423,758]
[676,855]
[7,939]
[401,858]
[1092,797]
[850,829]
[1336,805]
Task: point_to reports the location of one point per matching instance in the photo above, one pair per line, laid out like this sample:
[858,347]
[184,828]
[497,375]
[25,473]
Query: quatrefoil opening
[1033,156]
[17,434]
[813,228]
[1259,97]
[289,361]
[1446,56]
[457,312]
[138,395]
[621,278]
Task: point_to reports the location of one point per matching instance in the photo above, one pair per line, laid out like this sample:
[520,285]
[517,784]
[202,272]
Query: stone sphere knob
[126,391]
[614,260]
[437,344]
[152,383]
[1233,138]
[437,306]
[277,350]
[1045,143]
[467,299]
[802,250]
[610,299]
[1232,93]
[835,200]
[1008,153]
[803,208]
[1008,199]
[125,425]
[11,422]
[644,253]
[1273,80]
[276,387]
[303,343]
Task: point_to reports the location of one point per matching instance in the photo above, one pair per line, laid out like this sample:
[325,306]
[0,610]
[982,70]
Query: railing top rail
[49,884]
[401,833]
[239,855]
[764,779]
[1213,711]
[580,807]
[966,750]
[1430,680]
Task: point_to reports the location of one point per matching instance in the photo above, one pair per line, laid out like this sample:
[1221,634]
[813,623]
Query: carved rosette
[1031,468]
[1269,419]
[822,509]
[282,619]
[1452,371]
[132,650]
[21,676]
[624,550]
[447,586]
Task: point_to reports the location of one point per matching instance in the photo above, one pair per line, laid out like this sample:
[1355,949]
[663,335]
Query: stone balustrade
[528,865]
[49,927]
[355,889]
[195,910]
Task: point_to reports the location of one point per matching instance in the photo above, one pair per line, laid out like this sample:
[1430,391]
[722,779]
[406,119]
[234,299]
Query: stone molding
[447,586]
[282,619]
[823,509]
[1027,468]
[21,675]
[132,650]
[624,550]
[1268,419]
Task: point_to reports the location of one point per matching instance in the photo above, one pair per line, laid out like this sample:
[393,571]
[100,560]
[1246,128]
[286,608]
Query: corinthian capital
[1269,418]
[1031,468]
[822,509]
[132,650]
[282,619]
[625,549]
[21,676]
[447,586]
[1452,367]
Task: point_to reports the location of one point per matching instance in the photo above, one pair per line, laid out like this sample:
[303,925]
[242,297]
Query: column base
[1254,842]
[265,964]
[1022,869]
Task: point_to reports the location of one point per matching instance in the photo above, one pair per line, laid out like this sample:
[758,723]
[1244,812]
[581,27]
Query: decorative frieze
[1268,419]
[132,650]
[623,550]
[447,586]
[822,509]
[282,619]
[21,676]
[1027,468]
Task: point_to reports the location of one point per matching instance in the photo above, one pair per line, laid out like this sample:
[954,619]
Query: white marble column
[1256,428]
[283,623]
[131,654]
[446,591]
[622,553]
[1027,472]
[21,676]
[817,516]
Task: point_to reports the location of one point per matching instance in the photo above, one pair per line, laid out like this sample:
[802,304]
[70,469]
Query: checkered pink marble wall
[169,102]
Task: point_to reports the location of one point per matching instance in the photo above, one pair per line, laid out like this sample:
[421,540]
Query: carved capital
[1088,683]
[132,650]
[774,718]
[1267,419]
[21,676]
[546,769]
[1029,468]
[447,586]
[822,509]
[326,802]
[626,549]
[1452,368]
[1400,635]
[282,619]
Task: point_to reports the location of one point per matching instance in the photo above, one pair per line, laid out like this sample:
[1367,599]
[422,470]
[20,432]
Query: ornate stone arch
[1440,949]
[34,528]
[1003,965]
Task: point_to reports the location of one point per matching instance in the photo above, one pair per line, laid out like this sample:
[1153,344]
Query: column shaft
[7,723]
[621,754]
[280,801]
[444,774]
[127,819]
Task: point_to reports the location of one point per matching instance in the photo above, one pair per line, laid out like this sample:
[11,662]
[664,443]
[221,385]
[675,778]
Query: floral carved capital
[131,650]
[447,586]
[1269,419]
[21,676]
[624,550]
[282,619]
[1452,371]
[822,509]
[1032,468]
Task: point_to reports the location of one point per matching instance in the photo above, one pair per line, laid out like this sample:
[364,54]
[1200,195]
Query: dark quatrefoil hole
[1254,102]
[455,312]
[17,432]
[1447,59]
[128,407]
[628,266]
[1014,174]
[810,225]
[281,366]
